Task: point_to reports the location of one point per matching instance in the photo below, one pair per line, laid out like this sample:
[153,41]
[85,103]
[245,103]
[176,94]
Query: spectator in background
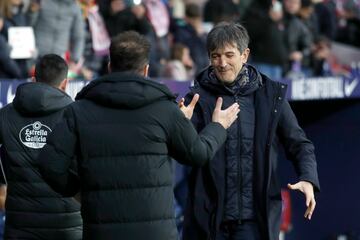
[216,11]
[180,66]
[228,10]
[348,15]
[158,15]
[97,40]
[33,209]
[15,15]
[298,38]
[326,19]
[281,43]
[321,54]
[242,7]
[120,16]
[8,67]
[177,8]
[191,33]
[320,49]
[307,15]
[59,28]
[269,53]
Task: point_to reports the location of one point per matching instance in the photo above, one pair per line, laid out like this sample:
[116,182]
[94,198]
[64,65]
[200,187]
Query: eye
[214,56]
[230,55]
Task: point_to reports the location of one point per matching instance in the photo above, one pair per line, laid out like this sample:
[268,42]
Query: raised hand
[189,109]
[308,189]
[225,117]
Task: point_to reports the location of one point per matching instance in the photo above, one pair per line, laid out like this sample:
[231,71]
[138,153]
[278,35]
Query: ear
[63,84]
[245,55]
[146,70]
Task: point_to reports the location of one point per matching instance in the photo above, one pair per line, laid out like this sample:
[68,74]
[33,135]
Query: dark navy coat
[275,123]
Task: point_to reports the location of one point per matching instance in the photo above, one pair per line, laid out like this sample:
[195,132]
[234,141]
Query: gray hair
[226,33]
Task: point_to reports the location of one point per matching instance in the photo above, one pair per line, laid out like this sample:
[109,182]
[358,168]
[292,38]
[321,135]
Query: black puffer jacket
[124,128]
[33,209]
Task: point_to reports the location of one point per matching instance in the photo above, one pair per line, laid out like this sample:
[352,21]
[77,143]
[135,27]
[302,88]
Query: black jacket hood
[124,90]
[39,99]
[208,80]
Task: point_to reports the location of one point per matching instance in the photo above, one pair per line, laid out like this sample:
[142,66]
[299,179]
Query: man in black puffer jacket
[124,129]
[33,209]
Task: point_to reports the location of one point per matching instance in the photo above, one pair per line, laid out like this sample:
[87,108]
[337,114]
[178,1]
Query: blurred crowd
[287,36]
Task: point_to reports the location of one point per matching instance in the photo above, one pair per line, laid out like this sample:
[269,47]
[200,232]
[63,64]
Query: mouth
[223,70]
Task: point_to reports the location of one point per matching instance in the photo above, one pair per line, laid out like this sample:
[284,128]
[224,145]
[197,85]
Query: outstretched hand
[189,109]
[225,117]
[308,190]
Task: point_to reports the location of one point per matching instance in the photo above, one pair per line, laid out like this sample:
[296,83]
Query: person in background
[326,18]
[320,49]
[158,14]
[97,41]
[180,67]
[217,11]
[59,28]
[120,16]
[348,21]
[15,15]
[9,69]
[281,43]
[192,34]
[298,39]
[266,29]
[322,60]
[308,17]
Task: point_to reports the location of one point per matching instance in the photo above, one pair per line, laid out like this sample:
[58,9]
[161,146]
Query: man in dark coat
[124,129]
[33,209]
[237,194]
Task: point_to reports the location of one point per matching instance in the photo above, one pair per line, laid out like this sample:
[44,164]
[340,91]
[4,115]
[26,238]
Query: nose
[222,62]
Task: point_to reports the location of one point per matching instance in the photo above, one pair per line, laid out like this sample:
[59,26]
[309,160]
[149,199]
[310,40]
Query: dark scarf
[247,81]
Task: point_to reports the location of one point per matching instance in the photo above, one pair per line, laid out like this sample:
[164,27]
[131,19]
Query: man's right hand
[189,109]
[225,117]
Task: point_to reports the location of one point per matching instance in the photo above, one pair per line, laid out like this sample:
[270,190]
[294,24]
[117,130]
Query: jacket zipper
[239,172]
